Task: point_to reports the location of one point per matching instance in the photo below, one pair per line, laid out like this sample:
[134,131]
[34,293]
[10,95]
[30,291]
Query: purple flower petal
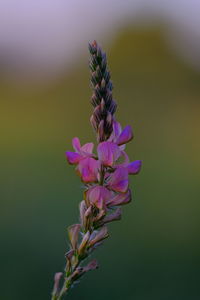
[125,136]
[118,181]
[76,144]
[108,153]
[116,132]
[73,158]
[117,129]
[134,167]
[120,199]
[88,169]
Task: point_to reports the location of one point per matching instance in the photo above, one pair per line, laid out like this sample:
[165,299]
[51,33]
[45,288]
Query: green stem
[66,288]
[62,292]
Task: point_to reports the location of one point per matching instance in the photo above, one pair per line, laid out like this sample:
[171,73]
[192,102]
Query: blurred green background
[153,253]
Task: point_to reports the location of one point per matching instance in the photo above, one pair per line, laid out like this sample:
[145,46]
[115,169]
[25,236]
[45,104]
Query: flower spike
[105,177]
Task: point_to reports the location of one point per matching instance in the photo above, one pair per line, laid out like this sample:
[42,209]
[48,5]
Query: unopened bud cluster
[102,99]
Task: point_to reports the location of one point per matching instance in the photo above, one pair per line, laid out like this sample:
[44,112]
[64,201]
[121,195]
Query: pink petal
[118,181]
[108,153]
[134,167]
[120,199]
[88,169]
[86,176]
[99,195]
[87,148]
[76,144]
[73,158]
[125,136]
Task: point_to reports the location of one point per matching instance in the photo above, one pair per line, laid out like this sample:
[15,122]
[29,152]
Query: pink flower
[88,169]
[99,196]
[118,181]
[87,166]
[108,153]
[133,167]
[80,152]
[119,136]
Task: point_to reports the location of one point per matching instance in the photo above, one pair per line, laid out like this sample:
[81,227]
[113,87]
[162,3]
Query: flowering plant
[104,175]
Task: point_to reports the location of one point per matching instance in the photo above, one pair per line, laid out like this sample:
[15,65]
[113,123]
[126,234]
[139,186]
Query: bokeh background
[153,53]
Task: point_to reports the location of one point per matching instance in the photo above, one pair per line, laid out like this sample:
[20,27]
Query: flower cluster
[105,175]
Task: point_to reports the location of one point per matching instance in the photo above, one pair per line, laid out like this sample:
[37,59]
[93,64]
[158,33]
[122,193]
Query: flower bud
[82,209]
[93,123]
[99,236]
[115,216]
[101,133]
[120,199]
[83,243]
[99,216]
[69,257]
[91,266]
[69,254]
[102,105]
[73,232]
[56,288]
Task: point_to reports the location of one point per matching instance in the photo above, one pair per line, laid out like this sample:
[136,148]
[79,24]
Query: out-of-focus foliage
[154,252]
